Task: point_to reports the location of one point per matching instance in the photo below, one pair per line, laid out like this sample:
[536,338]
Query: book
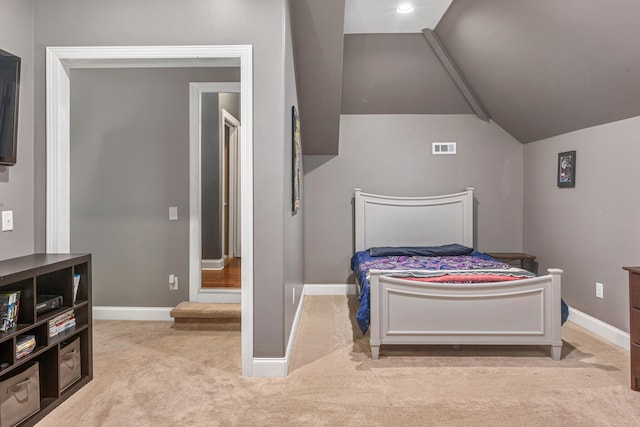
[76,285]
[9,305]
[24,353]
[25,341]
[25,344]
[61,323]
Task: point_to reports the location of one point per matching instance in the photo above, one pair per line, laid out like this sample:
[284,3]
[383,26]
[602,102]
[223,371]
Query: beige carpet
[148,374]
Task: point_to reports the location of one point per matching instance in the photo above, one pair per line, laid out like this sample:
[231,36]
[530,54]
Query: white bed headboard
[413,221]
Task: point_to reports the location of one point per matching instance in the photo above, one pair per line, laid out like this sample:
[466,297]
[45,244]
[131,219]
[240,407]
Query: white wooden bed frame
[519,312]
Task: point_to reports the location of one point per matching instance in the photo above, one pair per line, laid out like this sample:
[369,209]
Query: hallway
[229,277]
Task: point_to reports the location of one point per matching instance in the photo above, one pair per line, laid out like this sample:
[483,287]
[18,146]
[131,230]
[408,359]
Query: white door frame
[59,61]
[196,292]
[227,120]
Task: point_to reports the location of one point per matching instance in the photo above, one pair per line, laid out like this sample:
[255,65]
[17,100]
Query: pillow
[453,249]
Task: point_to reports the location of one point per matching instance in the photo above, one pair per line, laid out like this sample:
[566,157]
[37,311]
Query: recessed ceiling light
[405,8]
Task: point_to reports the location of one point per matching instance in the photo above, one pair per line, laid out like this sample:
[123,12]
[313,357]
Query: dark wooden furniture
[634,324]
[47,274]
[517,259]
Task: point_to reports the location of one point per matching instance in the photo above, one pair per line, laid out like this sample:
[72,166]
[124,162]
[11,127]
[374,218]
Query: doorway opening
[59,62]
[216,133]
[230,138]
[229,277]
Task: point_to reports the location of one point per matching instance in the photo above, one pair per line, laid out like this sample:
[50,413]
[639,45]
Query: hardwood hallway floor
[229,277]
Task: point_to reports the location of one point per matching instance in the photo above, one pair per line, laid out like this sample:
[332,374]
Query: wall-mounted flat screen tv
[9,94]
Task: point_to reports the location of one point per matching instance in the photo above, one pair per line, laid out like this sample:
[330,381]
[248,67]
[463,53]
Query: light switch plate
[173,213]
[7,220]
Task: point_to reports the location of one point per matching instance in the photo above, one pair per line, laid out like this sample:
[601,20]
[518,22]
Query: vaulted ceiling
[538,67]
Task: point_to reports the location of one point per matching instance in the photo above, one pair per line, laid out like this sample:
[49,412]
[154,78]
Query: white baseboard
[266,367]
[330,289]
[270,367]
[220,296]
[131,313]
[212,264]
[278,367]
[598,327]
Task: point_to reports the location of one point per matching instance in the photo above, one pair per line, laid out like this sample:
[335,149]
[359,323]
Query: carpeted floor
[148,374]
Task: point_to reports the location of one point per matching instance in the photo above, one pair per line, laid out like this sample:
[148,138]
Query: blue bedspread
[362,261]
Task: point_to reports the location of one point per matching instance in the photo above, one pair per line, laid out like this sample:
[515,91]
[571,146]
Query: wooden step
[206,317]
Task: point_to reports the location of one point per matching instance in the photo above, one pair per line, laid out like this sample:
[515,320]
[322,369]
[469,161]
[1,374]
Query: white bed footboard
[519,312]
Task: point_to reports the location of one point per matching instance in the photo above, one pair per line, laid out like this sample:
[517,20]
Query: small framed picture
[567,169]
[296,160]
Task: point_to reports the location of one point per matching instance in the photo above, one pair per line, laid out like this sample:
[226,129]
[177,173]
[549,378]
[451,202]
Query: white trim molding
[330,289]
[278,367]
[59,61]
[270,367]
[211,264]
[132,313]
[600,328]
[220,296]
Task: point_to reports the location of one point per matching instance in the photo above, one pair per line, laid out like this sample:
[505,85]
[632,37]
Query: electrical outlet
[599,290]
[7,220]
[173,282]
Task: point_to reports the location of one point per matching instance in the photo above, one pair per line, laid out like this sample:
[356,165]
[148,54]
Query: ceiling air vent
[443,148]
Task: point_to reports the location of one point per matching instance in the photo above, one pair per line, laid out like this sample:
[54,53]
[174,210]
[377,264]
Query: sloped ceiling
[546,67]
[540,68]
[317,27]
[396,74]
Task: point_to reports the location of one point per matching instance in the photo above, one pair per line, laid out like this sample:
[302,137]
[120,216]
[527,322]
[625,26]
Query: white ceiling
[380,16]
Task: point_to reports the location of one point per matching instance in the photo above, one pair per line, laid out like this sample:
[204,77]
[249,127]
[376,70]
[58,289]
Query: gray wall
[211,221]
[391,154]
[210,177]
[231,103]
[318,26]
[196,22]
[130,162]
[396,74]
[590,231]
[16,182]
[546,67]
[294,224]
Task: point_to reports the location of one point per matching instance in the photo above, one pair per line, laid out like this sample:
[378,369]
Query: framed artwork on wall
[567,169]
[296,160]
